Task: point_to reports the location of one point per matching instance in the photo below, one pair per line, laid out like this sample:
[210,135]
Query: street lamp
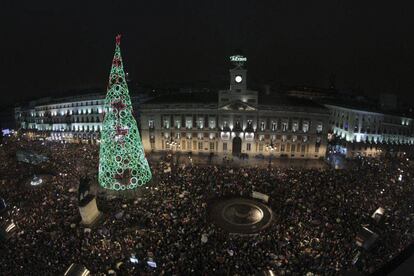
[173,144]
[270,148]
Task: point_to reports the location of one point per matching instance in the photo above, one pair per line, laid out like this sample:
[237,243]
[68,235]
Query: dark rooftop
[281,100]
[212,97]
[366,106]
[207,97]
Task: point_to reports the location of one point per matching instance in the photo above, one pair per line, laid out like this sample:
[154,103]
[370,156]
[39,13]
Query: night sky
[48,47]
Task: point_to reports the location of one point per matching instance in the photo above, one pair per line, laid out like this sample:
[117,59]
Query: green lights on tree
[122,163]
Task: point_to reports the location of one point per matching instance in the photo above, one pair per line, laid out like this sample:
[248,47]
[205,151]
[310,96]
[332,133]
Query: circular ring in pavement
[241,215]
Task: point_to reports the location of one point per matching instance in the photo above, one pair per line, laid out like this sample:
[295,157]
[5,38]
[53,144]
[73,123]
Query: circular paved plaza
[241,215]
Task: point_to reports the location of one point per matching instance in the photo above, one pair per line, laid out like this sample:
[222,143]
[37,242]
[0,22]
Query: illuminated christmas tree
[122,163]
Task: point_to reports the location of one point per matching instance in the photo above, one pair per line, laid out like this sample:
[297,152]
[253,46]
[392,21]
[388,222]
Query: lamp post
[173,144]
[270,148]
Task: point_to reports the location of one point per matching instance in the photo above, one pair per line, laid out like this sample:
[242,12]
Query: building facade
[370,133]
[236,121]
[70,119]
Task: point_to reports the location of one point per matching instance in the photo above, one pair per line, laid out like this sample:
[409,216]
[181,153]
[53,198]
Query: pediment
[238,106]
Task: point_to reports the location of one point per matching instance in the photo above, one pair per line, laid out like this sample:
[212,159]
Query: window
[166,123]
[249,125]
[284,138]
[224,146]
[226,125]
[211,145]
[317,147]
[237,125]
[294,138]
[305,126]
[262,125]
[151,124]
[284,126]
[200,145]
[282,148]
[292,148]
[188,123]
[295,126]
[260,147]
[274,126]
[212,124]
[177,123]
[194,145]
[200,123]
[248,147]
[305,138]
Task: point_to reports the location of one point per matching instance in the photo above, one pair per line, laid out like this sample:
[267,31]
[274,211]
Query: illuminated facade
[235,121]
[71,119]
[367,132]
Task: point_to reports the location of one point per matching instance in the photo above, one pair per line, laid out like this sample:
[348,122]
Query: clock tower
[238,92]
[238,74]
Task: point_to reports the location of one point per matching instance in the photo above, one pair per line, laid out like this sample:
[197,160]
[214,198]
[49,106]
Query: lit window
[166,123]
[262,125]
[200,123]
[249,124]
[188,123]
[295,126]
[305,126]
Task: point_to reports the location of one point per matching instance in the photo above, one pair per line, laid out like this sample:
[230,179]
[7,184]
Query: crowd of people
[317,214]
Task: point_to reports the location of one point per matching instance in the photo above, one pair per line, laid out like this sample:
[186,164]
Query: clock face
[238,79]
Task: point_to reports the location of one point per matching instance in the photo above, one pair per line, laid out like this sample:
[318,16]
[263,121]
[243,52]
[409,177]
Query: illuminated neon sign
[238,58]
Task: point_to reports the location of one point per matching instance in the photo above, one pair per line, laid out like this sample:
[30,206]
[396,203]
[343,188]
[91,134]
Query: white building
[369,133]
[72,119]
[235,121]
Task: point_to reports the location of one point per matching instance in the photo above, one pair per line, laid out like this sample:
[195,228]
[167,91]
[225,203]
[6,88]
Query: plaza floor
[238,162]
